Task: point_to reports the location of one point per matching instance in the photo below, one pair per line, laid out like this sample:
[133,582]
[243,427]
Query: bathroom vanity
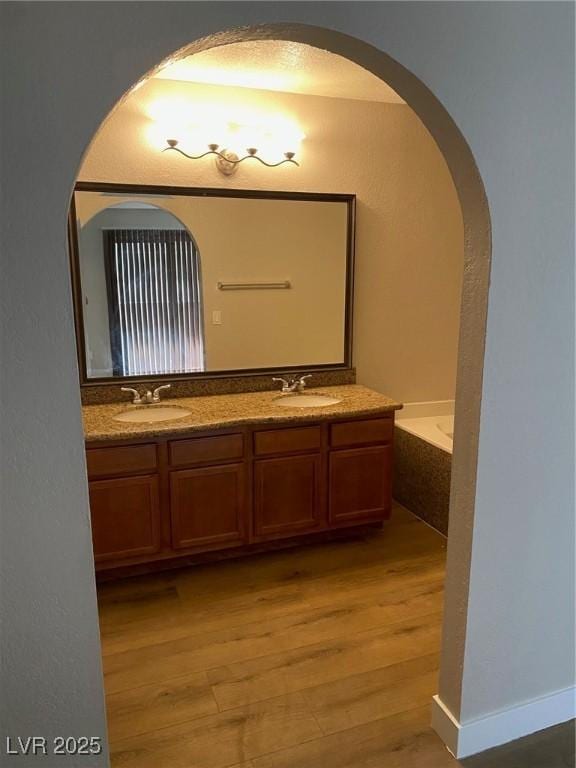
[165,295]
[237,474]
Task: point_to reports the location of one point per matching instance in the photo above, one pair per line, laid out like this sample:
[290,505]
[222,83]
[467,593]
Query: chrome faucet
[136,396]
[156,393]
[293,383]
[148,397]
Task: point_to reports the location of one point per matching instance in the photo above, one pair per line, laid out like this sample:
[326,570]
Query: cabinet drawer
[203,450]
[293,440]
[361,432]
[121,460]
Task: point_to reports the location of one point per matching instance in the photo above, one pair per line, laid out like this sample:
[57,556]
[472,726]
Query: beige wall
[271,241]
[409,237]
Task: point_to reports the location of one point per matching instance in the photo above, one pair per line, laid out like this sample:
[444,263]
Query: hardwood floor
[323,655]
[320,657]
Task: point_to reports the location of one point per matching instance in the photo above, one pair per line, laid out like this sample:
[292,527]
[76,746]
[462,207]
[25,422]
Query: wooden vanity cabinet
[287,494]
[360,471]
[207,502]
[287,482]
[124,502]
[125,517]
[178,497]
[207,507]
[359,483]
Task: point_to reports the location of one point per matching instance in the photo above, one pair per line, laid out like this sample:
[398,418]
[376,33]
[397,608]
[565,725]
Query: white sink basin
[305,401]
[152,413]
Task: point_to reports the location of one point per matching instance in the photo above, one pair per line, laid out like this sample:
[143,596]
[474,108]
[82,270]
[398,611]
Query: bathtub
[433,422]
[423,460]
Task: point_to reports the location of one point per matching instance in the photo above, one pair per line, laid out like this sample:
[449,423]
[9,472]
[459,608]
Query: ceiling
[277,65]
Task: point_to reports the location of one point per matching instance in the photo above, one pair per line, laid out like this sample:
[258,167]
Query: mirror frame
[140,189]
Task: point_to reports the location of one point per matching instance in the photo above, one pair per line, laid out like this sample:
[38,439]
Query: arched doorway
[474,301]
[477,249]
[137,232]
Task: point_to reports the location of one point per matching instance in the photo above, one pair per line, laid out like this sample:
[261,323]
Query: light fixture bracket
[226,160]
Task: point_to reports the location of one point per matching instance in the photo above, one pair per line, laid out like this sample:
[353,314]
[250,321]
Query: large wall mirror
[185,282]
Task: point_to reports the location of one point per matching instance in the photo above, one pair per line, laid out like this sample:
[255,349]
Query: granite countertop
[223,411]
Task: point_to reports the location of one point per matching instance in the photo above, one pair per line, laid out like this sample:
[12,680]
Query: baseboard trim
[465,739]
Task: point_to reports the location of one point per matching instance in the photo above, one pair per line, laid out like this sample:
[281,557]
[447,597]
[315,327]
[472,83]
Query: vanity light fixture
[226,161]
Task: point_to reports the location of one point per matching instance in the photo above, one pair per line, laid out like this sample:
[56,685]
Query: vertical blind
[155,314]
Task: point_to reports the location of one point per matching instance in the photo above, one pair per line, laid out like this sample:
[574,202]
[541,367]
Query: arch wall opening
[474,298]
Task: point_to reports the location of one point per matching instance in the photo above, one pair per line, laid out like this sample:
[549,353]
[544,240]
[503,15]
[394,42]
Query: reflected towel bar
[254,286]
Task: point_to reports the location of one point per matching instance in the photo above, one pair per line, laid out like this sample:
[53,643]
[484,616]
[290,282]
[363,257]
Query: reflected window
[154,301]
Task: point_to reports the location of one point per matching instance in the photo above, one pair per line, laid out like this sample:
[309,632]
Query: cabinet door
[287,496]
[125,517]
[208,507]
[360,485]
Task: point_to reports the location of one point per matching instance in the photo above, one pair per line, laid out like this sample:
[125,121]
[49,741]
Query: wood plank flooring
[324,656]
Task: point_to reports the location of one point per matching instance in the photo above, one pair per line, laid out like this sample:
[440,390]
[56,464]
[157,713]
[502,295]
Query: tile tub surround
[221,411]
[423,463]
[96,394]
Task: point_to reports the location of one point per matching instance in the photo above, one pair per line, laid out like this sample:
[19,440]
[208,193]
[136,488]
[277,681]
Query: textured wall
[514,619]
[409,235]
